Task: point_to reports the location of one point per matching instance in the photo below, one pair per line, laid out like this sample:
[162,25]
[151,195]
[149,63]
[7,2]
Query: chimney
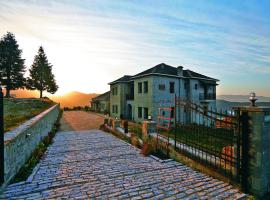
[179,71]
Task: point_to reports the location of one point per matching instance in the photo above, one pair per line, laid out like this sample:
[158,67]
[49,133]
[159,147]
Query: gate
[210,137]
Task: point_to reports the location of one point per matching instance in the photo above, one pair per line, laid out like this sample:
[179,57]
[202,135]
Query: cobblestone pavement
[96,165]
[80,120]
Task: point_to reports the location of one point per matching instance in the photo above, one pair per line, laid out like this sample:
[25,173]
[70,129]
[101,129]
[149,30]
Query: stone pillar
[147,128]
[116,123]
[256,130]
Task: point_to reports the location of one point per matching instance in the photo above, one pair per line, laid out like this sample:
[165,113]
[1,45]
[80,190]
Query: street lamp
[2,171]
[252,99]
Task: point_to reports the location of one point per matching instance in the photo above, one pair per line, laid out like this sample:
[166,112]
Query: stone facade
[21,141]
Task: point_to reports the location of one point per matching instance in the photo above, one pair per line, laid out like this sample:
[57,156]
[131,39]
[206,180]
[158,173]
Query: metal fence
[210,137]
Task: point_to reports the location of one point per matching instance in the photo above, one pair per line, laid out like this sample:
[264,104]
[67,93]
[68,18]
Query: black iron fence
[211,137]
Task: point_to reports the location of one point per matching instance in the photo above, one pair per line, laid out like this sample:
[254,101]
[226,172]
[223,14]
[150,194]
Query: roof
[123,79]
[160,69]
[165,70]
[191,74]
[104,96]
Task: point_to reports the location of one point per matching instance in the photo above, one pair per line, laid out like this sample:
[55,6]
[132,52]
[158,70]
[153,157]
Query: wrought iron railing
[210,137]
[207,96]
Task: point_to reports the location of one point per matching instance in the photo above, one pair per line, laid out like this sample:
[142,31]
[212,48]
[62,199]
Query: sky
[93,42]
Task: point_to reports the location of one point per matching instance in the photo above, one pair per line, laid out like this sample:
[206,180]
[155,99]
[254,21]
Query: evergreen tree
[12,66]
[41,76]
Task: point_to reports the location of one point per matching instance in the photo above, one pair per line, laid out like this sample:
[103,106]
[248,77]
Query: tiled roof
[164,69]
[160,69]
[191,74]
[125,78]
[104,96]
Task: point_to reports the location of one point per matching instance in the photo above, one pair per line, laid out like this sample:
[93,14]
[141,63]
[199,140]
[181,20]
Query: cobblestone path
[95,165]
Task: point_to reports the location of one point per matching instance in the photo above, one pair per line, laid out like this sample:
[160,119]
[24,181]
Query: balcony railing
[129,96]
[208,96]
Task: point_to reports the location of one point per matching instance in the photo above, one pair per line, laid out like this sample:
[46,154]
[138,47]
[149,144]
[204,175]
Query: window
[139,87]
[139,112]
[115,109]
[185,85]
[196,86]
[145,112]
[161,86]
[145,86]
[172,112]
[171,87]
[114,90]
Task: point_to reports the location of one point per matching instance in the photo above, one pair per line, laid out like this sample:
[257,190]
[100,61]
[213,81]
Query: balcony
[209,96]
[129,96]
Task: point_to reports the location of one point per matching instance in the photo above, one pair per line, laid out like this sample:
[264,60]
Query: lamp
[252,99]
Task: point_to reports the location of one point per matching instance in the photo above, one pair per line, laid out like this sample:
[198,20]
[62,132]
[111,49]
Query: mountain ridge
[70,99]
[241,98]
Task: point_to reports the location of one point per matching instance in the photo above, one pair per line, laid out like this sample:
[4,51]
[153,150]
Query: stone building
[139,96]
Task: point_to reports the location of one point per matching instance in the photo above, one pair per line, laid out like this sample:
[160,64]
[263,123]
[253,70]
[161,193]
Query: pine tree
[12,66]
[41,76]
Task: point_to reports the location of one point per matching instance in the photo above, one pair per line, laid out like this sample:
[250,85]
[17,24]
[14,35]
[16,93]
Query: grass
[201,137]
[17,111]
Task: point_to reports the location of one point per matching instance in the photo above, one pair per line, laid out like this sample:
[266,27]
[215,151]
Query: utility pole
[2,171]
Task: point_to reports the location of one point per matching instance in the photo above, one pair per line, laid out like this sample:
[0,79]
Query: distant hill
[228,105]
[74,99]
[241,98]
[70,99]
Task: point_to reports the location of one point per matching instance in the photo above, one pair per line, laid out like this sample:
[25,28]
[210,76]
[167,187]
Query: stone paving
[96,165]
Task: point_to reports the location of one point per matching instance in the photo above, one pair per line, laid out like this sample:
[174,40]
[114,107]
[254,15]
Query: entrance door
[129,112]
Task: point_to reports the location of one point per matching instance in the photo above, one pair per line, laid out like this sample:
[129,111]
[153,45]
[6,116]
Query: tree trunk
[40,96]
[8,85]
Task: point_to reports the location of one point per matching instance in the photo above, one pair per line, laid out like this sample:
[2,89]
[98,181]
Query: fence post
[2,164]
[148,127]
[116,124]
[255,169]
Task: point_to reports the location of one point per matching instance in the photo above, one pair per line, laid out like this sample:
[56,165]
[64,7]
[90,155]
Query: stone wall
[21,141]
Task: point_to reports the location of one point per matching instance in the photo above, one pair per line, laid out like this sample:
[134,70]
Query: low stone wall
[22,141]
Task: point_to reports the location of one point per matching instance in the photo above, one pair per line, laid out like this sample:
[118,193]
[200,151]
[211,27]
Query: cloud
[98,41]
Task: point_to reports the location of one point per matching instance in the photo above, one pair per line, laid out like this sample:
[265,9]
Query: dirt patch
[80,120]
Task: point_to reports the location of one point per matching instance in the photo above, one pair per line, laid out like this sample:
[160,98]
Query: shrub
[134,140]
[147,148]
[86,108]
